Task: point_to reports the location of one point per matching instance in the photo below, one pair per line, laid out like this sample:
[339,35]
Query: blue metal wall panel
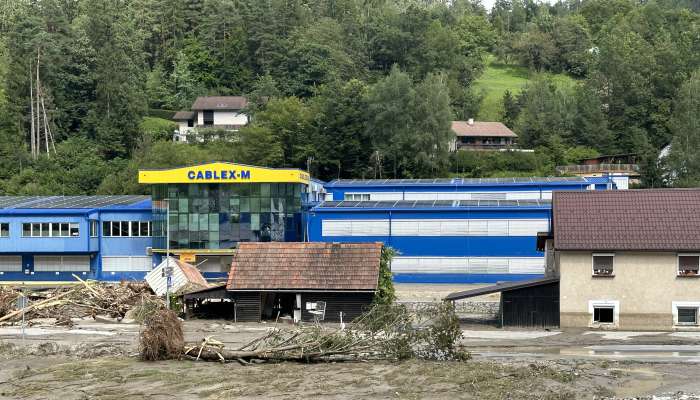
[16,243]
[451,246]
[442,246]
[462,278]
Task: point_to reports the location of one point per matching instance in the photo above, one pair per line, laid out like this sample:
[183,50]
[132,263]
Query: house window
[603,264]
[208,117]
[687,315]
[5,229]
[356,196]
[190,123]
[604,315]
[93,228]
[688,264]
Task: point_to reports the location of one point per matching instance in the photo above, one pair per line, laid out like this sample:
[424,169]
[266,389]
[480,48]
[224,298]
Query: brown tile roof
[319,266]
[655,220]
[481,129]
[220,103]
[183,115]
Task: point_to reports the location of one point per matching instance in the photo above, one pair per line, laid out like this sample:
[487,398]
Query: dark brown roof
[481,129]
[500,287]
[220,103]
[655,220]
[313,266]
[183,115]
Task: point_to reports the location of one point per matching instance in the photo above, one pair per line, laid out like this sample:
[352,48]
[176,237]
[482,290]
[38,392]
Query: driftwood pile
[162,337]
[384,332]
[86,299]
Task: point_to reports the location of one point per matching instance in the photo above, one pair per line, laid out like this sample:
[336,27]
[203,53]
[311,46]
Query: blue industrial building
[445,230]
[50,238]
[448,230]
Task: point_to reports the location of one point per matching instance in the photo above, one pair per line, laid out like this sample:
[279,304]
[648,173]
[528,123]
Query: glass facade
[217,216]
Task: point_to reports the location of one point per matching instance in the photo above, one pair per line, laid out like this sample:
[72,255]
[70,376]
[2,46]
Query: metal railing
[598,168]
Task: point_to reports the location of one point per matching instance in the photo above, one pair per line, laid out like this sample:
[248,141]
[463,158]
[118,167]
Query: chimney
[470,121]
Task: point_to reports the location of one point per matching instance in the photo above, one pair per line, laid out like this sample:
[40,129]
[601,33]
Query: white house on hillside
[211,112]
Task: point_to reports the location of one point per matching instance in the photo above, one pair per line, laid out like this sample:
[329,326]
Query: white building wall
[434,227]
[230,118]
[468,265]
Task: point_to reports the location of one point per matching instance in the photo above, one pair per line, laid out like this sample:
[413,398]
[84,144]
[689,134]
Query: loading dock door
[62,263]
[11,263]
[127,264]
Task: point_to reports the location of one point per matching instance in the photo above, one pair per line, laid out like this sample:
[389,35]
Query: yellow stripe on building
[220,172]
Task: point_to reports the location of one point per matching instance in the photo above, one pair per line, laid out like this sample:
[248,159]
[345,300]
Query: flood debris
[87,299]
[385,332]
[162,337]
[185,278]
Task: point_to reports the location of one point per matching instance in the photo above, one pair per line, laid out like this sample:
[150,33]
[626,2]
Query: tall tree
[684,159]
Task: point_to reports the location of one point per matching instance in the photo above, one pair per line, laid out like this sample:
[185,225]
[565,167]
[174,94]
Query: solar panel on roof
[69,202]
[433,203]
[10,201]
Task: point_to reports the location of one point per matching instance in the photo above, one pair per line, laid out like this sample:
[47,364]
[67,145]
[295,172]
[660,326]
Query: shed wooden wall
[351,304]
[531,307]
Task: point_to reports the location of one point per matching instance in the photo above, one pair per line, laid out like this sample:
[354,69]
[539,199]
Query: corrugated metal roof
[430,204]
[515,181]
[318,266]
[500,287]
[651,219]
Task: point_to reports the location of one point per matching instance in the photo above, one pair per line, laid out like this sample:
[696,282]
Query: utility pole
[168,271]
[309,159]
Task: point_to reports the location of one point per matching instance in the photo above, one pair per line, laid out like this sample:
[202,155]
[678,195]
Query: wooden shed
[271,280]
[525,304]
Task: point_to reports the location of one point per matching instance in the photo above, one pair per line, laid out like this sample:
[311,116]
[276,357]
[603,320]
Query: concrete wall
[643,290]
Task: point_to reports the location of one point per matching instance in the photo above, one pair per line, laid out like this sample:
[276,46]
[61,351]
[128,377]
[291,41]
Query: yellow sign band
[220,172]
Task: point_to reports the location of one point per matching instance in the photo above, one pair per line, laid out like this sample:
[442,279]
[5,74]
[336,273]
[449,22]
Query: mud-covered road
[98,361]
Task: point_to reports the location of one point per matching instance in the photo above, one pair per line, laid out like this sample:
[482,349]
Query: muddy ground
[98,361]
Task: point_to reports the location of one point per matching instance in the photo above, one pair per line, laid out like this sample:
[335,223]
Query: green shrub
[385,288]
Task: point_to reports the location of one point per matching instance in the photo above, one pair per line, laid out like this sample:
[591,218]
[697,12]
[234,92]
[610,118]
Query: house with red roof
[628,259]
[480,135]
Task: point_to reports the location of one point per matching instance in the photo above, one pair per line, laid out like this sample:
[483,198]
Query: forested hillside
[360,88]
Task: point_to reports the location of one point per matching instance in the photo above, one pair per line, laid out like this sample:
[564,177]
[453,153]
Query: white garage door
[11,263]
[62,263]
[126,264]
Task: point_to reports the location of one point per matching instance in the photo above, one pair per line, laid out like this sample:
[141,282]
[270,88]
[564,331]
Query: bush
[485,164]
[157,129]
[385,287]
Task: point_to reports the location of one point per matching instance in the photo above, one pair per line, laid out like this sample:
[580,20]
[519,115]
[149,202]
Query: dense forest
[349,88]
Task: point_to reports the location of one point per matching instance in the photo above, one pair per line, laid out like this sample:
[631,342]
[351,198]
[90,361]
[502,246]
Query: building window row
[391,196]
[604,265]
[127,228]
[50,229]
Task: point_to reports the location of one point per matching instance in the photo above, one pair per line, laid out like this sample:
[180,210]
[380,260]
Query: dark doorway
[276,305]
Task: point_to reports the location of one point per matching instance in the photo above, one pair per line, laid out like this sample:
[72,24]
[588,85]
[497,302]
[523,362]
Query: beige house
[627,259]
[219,113]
